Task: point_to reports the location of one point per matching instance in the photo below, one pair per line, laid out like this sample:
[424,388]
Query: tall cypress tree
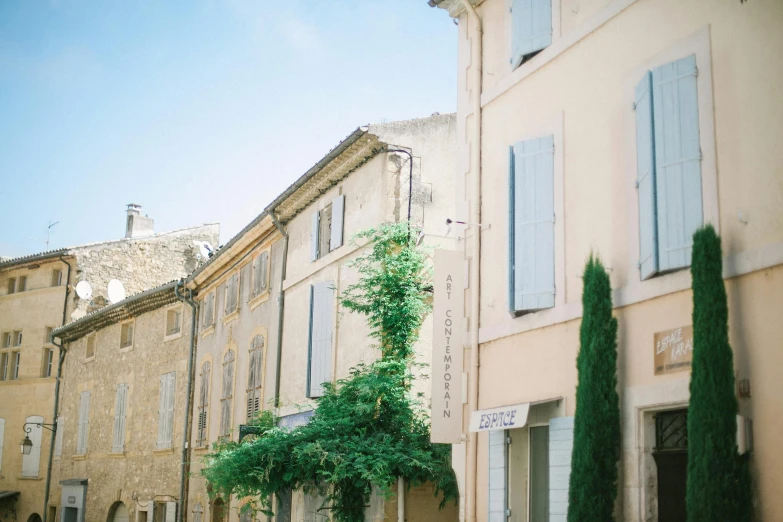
[718,479]
[592,487]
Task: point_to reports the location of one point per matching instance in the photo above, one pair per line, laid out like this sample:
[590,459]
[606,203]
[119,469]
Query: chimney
[138,225]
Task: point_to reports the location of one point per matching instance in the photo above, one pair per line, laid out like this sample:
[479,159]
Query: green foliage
[368,429]
[592,486]
[718,478]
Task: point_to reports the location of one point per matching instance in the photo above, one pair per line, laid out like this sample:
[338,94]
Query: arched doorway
[35,517]
[118,512]
[218,510]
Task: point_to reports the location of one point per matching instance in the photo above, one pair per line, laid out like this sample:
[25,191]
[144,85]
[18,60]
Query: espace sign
[503,418]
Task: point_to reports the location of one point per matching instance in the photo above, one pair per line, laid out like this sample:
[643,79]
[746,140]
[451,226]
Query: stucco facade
[580,89]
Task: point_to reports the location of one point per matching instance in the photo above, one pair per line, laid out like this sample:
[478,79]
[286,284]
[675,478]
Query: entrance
[70,514]
[671,459]
[218,510]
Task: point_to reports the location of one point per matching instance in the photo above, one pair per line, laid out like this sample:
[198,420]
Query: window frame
[132,324]
[11,286]
[21,284]
[556,35]
[205,377]
[17,338]
[176,309]
[47,362]
[57,277]
[6,340]
[209,326]
[5,360]
[228,315]
[256,371]
[16,362]
[258,292]
[87,339]
[227,390]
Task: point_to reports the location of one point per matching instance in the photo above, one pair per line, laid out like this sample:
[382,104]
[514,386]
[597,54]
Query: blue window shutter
[645,178]
[677,161]
[511,231]
[498,475]
[561,442]
[338,216]
[315,225]
[531,28]
[320,345]
[534,225]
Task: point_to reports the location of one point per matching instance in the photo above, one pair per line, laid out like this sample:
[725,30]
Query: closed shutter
[58,438]
[120,405]
[314,235]
[531,28]
[498,476]
[533,225]
[31,462]
[561,442]
[227,393]
[645,178]
[2,439]
[166,411]
[264,270]
[677,161]
[171,511]
[203,404]
[84,423]
[321,325]
[338,216]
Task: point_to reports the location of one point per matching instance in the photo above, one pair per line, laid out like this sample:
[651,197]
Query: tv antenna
[48,231]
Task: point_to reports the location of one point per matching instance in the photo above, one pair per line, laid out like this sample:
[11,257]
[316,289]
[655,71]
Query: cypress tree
[718,479]
[592,487]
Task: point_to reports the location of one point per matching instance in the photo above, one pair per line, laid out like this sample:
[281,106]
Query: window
[48,335]
[84,423]
[173,321]
[532,226]
[4,366]
[260,273]
[531,29]
[255,376]
[326,233]
[120,406]
[203,405]
[6,339]
[17,338]
[232,294]
[164,512]
[209,310]
[668,159]
[11,285]
[227,394]
[57,277]
[126,335]
[21,285]
[198,513]
[166,410]
[89,353]
[320,339]
[48,359]
[15,359]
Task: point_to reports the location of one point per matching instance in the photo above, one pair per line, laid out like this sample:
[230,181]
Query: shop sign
[503,418]
[673,350]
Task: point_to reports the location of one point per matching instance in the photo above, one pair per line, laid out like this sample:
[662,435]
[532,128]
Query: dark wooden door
[672,478]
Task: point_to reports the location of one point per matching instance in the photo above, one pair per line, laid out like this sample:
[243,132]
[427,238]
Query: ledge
[167,338]
[208,331]
[79,457]
[116,455]
[29,478]
[230,317]
[201,450]
[261,298]
[164,451]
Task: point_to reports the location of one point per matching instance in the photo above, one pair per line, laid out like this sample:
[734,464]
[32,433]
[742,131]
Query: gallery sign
[448,318]
[673,350]
[503,418]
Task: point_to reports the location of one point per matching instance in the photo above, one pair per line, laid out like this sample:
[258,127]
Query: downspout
[280,308]
[475,198]
[61,359]
[400,499]
[410,178]
[186,431]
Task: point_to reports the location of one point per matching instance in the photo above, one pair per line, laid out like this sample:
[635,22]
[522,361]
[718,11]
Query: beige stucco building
[616,127]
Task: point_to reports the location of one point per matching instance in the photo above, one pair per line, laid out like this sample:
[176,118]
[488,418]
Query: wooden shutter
[171,511]
[320,346]
[531,28]
[561,442]
[2,440]
[166,411]
[31,462]
[498,476]
[315,223]
[120,405]
[84,423]
[227,393]
[338,217]
[533,229]
[645,178]
[677,161]
[203,404]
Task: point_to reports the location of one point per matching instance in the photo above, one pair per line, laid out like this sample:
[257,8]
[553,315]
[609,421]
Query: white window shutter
[498,476]
[677,161]
[338,218]
[264,271]
[31,462]
[561,442]
[314,233]
[531,28]
[320,345]
[166,410]
[171,511]
[2,440]
[172,382]
[533,225]
[84,423]
[118,441]
[645,178]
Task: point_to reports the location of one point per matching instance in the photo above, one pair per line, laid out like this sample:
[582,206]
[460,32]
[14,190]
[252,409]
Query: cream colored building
[616,126]
[37,294]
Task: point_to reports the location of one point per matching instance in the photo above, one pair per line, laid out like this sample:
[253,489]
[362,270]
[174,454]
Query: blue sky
[201,111]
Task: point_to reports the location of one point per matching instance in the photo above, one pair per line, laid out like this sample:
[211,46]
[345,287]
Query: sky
[201,111]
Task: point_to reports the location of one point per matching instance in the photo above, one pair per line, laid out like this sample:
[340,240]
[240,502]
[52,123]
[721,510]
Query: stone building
[616,127]
[37,294]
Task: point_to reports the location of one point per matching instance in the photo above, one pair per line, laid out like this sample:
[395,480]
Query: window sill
[89,359]
[125,349]
[230,317]
[29,478]
[163,451]
[173,336]
[208,331]
[79,457]
[116,455]
[201,450]
[259,299]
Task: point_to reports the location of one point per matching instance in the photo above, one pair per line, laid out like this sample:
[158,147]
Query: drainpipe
[280,309]
[400,499]
[410,179]
[61,359]
[186,431]
[475,198]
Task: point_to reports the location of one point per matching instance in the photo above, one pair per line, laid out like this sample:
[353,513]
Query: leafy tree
[592,487]
[368,429]
[718,478]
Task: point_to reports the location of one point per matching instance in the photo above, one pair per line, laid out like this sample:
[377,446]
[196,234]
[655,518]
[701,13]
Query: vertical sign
[448,311]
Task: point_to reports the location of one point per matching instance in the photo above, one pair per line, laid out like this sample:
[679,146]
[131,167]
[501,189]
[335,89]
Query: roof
[41,256]
[454,7]
[128,308]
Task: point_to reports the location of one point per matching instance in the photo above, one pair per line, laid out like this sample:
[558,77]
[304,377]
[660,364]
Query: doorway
[70,514]
[671,460]
[218,510]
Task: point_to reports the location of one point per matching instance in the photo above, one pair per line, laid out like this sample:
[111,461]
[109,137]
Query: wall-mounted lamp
[27,445]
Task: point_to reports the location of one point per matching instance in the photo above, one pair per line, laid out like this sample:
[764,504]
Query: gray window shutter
[84,423]
[533,229]
[677,161]
[166,410]
[561,442]
[264,270]
[314,235]
[171,511]
[320,346]
[162,411]
[531,28]
[120,404]
[31,462]
[498,476]
[338,216]
[645,178]
[172,382]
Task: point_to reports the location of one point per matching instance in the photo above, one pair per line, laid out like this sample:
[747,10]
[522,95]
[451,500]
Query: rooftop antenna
[48,230]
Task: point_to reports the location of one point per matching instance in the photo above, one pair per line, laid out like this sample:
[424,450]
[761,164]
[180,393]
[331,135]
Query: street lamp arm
[50,427]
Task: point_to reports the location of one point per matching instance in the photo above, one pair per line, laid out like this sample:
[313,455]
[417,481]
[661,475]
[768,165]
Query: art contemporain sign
[673,350]
[448,311]
[503,418]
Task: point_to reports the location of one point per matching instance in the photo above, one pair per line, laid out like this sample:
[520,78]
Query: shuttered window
[498,475]
[84,423]
[2,441]
[532,226]
[561,442]
[166,410]
[338,217]
[120,406]
[326,228]
[209,310]
[232,293]
[260,273]
[531,28]
[320,339]
[203,405]
[227,394]
[668,156]
[255,376]
[31,462]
